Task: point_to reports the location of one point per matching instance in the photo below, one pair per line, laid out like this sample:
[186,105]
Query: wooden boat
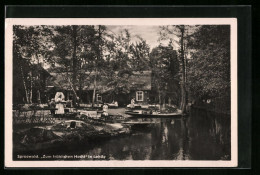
[139,113]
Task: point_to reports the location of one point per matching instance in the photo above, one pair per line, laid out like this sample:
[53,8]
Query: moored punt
[141,114]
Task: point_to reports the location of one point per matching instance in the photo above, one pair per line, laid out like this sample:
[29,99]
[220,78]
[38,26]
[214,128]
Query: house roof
[137,81]
[141,80]
[41,69]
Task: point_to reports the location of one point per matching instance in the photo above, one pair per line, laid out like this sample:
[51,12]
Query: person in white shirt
[105,110]
[59,99]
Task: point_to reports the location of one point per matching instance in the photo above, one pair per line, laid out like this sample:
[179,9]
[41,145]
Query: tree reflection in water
[201,136]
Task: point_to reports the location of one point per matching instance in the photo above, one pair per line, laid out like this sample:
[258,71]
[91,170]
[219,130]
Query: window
[139,96]
[99,97]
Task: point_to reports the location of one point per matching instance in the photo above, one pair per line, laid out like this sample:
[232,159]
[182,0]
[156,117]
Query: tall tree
[209,66]
[178,36]
[125,58]
[183,83]
[64,55]
[74,61]
[99,57]
[75,53]
[30,46]
[165,67]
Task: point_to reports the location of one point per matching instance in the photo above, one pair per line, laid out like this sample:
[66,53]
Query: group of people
[57,104]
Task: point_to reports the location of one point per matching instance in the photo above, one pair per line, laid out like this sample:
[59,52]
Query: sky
[149,33]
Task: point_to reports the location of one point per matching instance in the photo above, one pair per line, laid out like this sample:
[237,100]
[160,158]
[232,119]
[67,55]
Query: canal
[200,136]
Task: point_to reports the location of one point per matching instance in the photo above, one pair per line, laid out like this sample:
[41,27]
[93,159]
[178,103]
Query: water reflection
[202,136]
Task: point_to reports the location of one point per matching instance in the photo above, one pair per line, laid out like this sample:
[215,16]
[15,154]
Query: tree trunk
[186,72]
[160,101]
[74,62]
[94,90]
[163,105]
[24,84]
[183,88]
[39,96]
[160,98]
[31,90]
[80,94]
[185,61]
[98,59]
[169,101]
[80,87]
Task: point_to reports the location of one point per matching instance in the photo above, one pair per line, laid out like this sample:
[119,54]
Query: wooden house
[138,86]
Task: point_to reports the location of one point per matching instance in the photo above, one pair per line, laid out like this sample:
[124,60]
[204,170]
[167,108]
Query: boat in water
[144,113]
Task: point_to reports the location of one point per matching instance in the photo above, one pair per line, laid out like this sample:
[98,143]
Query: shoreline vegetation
[225,112]
[66,131]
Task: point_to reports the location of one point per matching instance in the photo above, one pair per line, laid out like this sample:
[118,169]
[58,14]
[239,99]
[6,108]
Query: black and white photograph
[121,92]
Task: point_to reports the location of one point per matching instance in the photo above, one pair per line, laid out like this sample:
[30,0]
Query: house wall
[86,96]
[146,96]
[122,99]
[125,99]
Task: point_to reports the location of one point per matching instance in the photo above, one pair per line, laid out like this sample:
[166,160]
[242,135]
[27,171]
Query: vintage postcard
[121,92]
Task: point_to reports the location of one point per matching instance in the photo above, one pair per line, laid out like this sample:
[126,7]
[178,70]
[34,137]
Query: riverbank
[32,137]
[201,136]
[208,109]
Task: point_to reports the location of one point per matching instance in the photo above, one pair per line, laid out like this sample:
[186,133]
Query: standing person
[59,99]
[52,106]
[133,103]
[105,110]
[116,104]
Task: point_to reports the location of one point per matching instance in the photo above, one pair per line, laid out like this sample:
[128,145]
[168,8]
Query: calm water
[201,136]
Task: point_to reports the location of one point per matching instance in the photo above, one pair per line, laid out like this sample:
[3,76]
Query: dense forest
[193,67]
